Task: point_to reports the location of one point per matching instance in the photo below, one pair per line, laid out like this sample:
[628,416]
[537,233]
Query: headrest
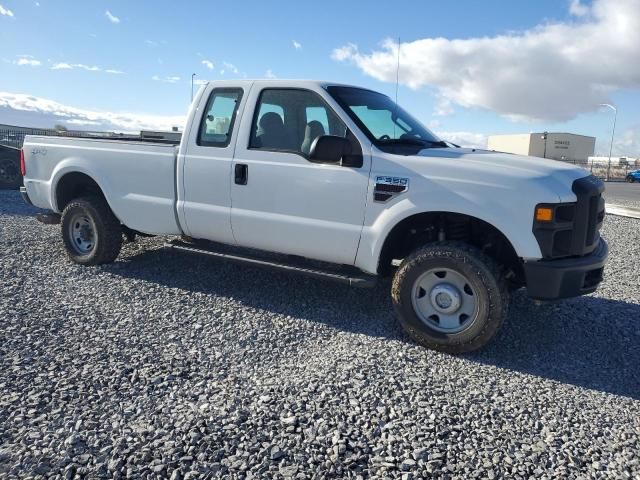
[271,121]
[314,129]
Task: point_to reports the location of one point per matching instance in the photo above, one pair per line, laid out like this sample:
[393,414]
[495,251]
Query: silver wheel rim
[82,232]
[444,300]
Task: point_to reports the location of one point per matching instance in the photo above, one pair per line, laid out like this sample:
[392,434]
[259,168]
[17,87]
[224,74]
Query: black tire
[485,281]
[106,232]
[630,179]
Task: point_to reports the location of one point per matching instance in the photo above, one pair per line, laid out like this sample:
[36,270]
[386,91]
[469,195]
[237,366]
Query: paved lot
[623,193]
[162,365]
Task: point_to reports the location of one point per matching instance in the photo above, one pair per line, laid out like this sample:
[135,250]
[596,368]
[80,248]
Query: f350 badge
[388,187]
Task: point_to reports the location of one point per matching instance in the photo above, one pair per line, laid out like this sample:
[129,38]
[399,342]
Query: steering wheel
[384,137]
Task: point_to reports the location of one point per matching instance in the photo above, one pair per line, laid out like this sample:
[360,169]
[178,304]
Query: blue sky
[71,52]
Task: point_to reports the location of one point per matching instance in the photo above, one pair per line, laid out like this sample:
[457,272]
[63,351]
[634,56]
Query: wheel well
[423,228]
[74,185]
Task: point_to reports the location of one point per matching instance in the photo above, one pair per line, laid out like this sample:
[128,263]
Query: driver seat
[313,130]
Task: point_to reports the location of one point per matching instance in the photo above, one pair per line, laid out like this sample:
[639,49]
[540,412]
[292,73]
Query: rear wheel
[450,297]
[91,233]
[631,179]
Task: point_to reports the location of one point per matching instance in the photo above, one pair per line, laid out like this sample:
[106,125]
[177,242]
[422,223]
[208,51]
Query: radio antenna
[398,71]
[397,82]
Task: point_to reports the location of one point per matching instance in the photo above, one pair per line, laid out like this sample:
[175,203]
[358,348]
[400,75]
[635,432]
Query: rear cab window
[216,125]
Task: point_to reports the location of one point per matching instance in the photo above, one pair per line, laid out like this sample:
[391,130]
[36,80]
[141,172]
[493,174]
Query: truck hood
[485,166]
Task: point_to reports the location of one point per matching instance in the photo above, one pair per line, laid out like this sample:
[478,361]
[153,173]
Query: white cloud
[269,74]
[27,60]
[61,66]
[27,110]
[297,45]
[626,143]
[228,67]
[82,66]
[5,11]
[552,72]
[112,18]
[208,64]
[578,9]
[347,52]
[443,107]
[169,79]
[465,139]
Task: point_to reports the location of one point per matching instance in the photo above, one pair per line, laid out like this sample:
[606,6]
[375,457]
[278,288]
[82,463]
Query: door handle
[241,174]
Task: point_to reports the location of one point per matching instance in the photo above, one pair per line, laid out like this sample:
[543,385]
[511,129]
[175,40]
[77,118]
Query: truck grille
[589,214]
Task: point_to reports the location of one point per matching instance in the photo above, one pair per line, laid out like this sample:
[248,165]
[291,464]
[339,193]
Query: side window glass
[290,120]
[217,122]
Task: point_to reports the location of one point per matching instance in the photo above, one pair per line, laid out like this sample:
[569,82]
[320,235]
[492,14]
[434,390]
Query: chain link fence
[602,169]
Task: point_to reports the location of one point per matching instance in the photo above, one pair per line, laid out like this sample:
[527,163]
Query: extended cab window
[217,122]
[291,119]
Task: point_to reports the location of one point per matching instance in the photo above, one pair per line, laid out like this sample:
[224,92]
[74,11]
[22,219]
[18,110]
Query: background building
[557,146]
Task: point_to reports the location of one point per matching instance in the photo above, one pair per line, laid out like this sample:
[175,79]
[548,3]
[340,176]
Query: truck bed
[137,177]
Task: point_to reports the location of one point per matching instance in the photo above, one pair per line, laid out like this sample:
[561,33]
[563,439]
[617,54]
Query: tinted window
[217,123]
[382,120]
[291,120]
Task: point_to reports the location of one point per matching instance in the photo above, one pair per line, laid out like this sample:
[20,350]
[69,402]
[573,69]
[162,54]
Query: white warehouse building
[557,146]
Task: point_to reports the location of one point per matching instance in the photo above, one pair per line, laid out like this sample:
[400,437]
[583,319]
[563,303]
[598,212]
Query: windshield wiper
[414,141]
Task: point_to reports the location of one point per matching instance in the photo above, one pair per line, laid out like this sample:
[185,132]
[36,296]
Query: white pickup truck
[348,186]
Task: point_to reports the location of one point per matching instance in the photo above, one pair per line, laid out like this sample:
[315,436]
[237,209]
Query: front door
[281,201]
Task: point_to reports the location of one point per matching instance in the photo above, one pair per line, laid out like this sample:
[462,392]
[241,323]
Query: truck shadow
[13,205]
[588,342]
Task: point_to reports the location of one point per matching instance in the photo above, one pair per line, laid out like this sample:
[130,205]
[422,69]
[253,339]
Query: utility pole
[613,132]
[192,75]
[545,135]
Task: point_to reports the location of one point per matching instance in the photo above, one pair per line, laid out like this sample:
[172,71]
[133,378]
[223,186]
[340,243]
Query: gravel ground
[165,365]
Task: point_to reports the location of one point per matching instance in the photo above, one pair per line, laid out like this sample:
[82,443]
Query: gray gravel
[164,365]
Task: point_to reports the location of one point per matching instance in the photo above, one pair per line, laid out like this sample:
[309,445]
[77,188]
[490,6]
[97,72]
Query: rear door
[204,202]
[281,201]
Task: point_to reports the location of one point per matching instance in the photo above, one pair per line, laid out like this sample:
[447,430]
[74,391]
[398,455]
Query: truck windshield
[386,124]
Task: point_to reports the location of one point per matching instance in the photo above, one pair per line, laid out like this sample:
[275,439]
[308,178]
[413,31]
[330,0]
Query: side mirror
[329,149]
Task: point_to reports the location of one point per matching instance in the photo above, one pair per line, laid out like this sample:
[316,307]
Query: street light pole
[544,136]
[192,75]
[613,132]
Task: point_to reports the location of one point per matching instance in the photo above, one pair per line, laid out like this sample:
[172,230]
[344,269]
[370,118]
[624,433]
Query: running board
[363,280]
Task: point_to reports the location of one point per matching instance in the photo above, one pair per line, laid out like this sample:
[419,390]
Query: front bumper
[567,277]
[25,196]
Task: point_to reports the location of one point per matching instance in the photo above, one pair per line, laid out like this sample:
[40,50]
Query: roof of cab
[285,82]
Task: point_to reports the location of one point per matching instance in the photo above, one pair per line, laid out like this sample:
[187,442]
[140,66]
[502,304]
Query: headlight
[552,227]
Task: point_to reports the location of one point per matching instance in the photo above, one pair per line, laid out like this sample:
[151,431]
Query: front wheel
[91,233]
[630,179]
[450,297]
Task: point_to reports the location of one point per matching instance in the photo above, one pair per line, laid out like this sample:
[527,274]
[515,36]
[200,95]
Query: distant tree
[60,128]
